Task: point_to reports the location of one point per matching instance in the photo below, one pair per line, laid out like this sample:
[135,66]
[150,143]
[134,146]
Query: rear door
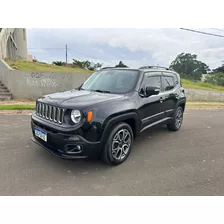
[170,90]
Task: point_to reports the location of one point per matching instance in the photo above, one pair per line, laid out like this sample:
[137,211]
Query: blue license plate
[41,134]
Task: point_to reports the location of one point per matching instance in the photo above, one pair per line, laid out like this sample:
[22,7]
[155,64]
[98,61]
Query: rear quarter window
[168,82]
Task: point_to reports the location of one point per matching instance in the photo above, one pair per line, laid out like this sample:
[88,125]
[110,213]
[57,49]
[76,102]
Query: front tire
[177,120]
[119,144]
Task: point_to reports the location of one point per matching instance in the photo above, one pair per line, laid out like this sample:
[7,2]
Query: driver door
[151,108]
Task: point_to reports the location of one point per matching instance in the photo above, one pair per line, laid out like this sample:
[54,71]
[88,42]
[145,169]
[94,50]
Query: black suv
[107,112]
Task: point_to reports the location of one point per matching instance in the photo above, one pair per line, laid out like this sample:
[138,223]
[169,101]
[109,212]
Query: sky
[135,47]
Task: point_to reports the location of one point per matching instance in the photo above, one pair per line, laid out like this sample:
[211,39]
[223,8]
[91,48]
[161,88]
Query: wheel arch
[130,118]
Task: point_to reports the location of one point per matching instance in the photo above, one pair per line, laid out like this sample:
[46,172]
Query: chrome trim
[46,114]
[58,114]
[54,114]
[43,110]
[169,110]
[51,113]
[153,116]
[155,123]
[40,109]
[61,117]
[37,108]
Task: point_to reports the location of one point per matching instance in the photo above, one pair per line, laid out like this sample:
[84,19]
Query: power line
[197,31]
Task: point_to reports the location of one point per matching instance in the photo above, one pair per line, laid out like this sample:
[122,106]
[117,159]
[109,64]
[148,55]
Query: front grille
[48,112]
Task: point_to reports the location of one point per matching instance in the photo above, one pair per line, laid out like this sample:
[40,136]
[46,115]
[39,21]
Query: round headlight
[76,116]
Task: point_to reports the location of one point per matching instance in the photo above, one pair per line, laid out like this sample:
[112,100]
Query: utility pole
[66,54]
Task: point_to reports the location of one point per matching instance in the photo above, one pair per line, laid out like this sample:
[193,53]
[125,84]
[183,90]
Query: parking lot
[187,162]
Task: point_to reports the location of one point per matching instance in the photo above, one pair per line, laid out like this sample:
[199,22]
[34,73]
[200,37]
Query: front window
[111,81]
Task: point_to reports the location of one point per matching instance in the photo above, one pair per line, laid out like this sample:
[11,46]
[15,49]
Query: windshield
[111,81]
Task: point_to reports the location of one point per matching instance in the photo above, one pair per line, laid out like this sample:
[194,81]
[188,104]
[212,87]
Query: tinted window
[152,79]
[169,83]
[171,74]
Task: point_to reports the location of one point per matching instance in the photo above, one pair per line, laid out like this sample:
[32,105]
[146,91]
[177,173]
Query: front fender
[111,121]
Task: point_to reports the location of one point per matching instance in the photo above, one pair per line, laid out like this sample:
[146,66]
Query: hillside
[200,85]
[36,66]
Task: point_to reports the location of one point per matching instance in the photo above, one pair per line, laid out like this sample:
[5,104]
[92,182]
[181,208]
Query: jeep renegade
[103,116]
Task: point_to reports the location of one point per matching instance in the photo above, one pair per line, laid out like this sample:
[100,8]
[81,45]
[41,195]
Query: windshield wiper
[101,91]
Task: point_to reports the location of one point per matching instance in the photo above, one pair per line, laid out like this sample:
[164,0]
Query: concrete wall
[13,43]
[29,84]
[202,95]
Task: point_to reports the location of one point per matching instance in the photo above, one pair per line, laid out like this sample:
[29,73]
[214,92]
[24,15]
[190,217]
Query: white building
[203,77]
[13,43]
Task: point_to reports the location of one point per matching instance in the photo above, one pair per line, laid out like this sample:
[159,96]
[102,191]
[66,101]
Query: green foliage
[215,79]
[86,64]
[188,84]
[35,66]
[219,69]
[17,107]
[82,64]
[98,65]
[189,67]
[121,65]
[58,63]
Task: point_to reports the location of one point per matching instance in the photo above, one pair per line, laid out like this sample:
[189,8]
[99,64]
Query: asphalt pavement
[187,162]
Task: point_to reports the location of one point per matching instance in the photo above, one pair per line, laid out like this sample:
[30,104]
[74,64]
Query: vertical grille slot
[37,108]
[40,109]
[55,114]
[46,112]
[61,117]
[51,113]
[43,110]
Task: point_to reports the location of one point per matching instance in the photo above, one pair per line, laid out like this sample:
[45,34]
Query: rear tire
[119,144]
[177,120]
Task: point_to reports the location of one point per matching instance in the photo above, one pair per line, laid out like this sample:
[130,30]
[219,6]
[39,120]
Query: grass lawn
[17,107]
[31,106]
[187,84]
[35,66]
[205,105]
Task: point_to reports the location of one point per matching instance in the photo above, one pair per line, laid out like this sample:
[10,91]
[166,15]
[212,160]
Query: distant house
[29,57]
[203,77]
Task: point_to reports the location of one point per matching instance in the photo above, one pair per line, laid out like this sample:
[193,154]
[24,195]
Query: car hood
[79,98]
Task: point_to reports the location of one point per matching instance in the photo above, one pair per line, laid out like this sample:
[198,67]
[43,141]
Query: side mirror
[149,91]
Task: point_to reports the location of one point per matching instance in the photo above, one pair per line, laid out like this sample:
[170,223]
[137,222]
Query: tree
[219,69]
[189,67]
[121,65]
[82,64]
[98,65]
[58,63]
[216,79]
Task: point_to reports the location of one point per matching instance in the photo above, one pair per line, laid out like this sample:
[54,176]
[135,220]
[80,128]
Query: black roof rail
[158,67]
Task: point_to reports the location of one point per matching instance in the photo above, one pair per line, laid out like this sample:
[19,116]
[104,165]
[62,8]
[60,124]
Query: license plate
[40,134]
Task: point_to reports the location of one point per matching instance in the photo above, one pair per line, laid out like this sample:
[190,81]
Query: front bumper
[61,145]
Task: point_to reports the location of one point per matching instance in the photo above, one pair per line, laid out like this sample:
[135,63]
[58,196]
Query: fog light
[73,149]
